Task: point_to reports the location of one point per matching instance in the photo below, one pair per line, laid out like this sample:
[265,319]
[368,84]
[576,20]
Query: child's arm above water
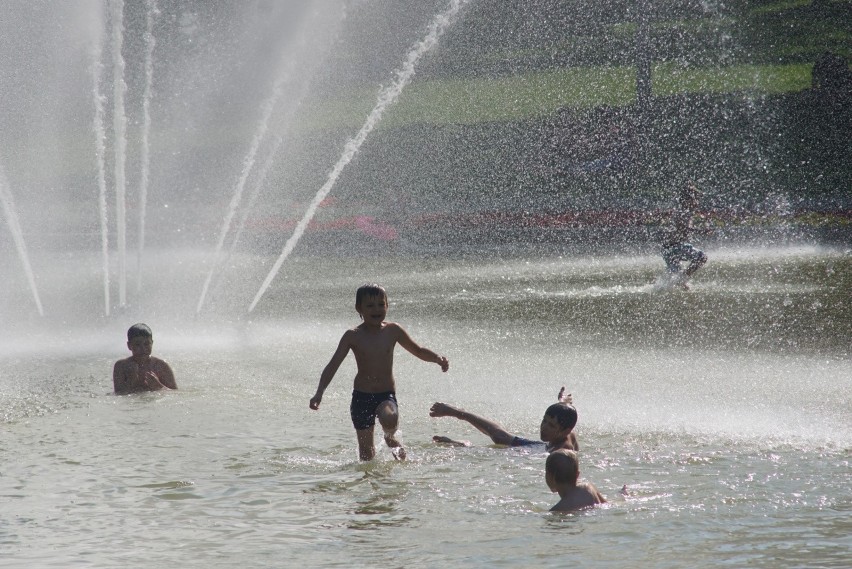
[164,375]
[419,351]
[331,368]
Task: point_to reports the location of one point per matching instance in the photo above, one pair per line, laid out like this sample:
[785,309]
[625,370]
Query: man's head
[562,469]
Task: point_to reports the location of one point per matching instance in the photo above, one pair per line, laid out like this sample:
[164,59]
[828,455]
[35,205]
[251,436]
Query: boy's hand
[315,402]
[444,363]
[565,397]
[151,381]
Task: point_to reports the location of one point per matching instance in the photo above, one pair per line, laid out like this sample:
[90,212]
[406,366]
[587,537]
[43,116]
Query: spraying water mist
[293,57]
[11,215]
[387,97]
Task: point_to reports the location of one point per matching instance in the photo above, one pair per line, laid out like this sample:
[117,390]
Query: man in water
[676,247]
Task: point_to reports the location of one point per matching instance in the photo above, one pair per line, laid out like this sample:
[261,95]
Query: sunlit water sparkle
[736,457]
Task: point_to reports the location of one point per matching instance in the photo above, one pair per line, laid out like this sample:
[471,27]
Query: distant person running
[562,470]
[141,371]
[373,343]
[556,431]
[676,247]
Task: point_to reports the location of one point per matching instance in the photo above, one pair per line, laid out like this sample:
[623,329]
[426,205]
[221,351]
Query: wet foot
[395,446]
[449,441]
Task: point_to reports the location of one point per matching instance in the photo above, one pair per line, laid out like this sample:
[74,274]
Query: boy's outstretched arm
[331,368]
[498,434]
[419,351]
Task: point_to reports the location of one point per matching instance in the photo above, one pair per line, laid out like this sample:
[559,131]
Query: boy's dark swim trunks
[522,442]
[364,405]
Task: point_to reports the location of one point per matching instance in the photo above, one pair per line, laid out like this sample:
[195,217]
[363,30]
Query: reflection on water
[725,411]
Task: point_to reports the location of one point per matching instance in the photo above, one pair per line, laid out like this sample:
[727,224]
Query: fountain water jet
[100,152]
[387,97]
[150,42]
[11,215]
[285,75]
[120,130]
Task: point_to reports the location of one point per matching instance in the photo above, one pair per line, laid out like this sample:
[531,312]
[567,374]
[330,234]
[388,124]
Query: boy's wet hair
[564,414]
[563,466]
[139,329]
[370,289]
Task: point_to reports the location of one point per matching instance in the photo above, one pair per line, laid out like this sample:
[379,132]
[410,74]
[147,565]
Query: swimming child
[561,473]
[676,246]
[141,371]
[374,394]
[556,431]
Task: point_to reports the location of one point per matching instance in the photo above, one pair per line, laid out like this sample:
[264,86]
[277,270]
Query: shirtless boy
[561,473]
[141,371]
[374,394]
[556,431]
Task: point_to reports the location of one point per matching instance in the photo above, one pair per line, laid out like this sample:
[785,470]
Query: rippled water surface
[725,410]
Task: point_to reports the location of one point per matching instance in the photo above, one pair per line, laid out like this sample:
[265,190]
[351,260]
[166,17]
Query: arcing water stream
[387,97]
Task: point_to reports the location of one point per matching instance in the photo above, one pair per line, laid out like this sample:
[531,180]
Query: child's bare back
[561,473]
[581,496]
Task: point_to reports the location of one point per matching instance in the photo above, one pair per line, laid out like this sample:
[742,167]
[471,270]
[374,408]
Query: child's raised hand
[315,402]
[444,363]
[565,397]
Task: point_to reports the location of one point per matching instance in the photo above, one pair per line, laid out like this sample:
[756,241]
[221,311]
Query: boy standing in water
[556,430]
[374,394]
[561,473]
[141,371]
[676,246]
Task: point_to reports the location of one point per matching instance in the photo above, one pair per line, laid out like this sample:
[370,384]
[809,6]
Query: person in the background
[141,371]
[676,247]
[562,471]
